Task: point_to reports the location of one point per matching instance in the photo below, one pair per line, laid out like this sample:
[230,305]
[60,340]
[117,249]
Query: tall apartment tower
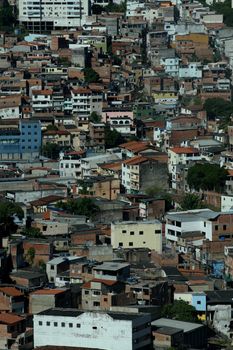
[45,15]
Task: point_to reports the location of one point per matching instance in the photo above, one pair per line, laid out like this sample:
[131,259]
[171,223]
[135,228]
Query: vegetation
[207,176]
[81,206]
[180,310]
[112,137]
[191,201]
[32,232]
[91,76]
[218,108]
[154,191]
[225,9]
[7,17]
[51,150]
[52,127]
[42,265]
[7,212]
[111,7]
[95,117]
[30,255]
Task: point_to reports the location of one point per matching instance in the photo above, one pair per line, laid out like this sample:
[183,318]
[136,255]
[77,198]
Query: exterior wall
[137,235]
[226,203]
[94,330]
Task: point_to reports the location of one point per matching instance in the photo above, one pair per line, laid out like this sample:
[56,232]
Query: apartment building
[70,164]
[137,234]
[85,101]
[93,330]
[21,143]
[44,16]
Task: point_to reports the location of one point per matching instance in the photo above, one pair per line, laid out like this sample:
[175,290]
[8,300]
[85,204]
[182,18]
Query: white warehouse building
[93,330]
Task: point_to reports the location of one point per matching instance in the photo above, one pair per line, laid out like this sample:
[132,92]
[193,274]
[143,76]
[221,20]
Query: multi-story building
[70,164]
[21,143]
[94,330]
[137,234]
[85,101]
[42,100]
[97,136]
[44,16]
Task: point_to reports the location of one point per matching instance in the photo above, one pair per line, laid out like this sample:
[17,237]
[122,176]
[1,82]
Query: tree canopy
[51,150]
[112,137]
[80,206]
[7,212]
[180,310]
[206,176]
[218,108]
[32,232]
[95,117]
[225,9]
[7,16]
[191,201]
[91,76]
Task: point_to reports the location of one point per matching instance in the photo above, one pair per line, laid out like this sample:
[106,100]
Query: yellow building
[137,234]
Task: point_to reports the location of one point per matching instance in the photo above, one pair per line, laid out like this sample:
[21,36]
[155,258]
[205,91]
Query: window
[120,244]
[52,267]
[224,227]
[216,227]
[140,232]
[131,244]
[198,302]
[47,323]
[96,303]
[96,292]
[78,325]
[40,323]
[204,224]
[123,231]
[157,231]
[86,292]
[131,233]
[71,325]
[105,299]
[94,327]
[55,324]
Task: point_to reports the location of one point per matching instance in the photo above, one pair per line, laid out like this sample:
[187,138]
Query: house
[28,279]
[100,186]
[14,333]
[58,265]
[113,271]
[11,299]
[86,100]
[137,234]
[149,292]
[92,329]
[197,300]
[193,335]
[102,294]
[70,164]
[138,172]
[44,299]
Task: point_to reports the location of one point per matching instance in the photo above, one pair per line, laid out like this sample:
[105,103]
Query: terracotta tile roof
[46,200]
[81,91]
[135,160]
[136,146]
[48,291]
[8,318]
[184,150]
[11,291]
[111,166]
[56,132]
[230,172]
[109,283]
[42,92]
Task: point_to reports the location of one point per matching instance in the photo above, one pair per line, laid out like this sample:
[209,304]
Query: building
[70,164]
[137,234]
[44,299]
[58,265]
[21,143]
[45,16]
[85,101]
[61,327]
[11,300]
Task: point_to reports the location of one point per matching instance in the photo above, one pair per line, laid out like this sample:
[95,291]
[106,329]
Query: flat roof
[111,266]
[185,326]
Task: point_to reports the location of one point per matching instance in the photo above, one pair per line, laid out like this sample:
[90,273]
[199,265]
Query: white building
[109,331]
[171,65]
[89,165]
[191,70]
[226,203]
[86,101]
[42,100]
[137,234]
[47,15]
[181,155]
[198,220]
[70,164]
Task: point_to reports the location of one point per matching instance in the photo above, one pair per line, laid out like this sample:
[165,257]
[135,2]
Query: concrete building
[85,101]
[137,234]
[58,265]
[45,16]
[112,330]
[44,299]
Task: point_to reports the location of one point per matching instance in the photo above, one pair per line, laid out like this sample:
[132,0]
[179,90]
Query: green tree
[112,137]
[111,7]
[191,201]
[30,256]
[95,117]
[7,212]
[51,150]
[7,16]
[42,265]
[180,310]
[51,127]
[207,176]
[32,232]
[80,206]
[218,108]
[91,76]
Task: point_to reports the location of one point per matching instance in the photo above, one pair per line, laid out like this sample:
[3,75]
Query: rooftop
[185,326]
[111,266]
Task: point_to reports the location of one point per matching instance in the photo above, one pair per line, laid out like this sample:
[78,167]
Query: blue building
[21,143]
